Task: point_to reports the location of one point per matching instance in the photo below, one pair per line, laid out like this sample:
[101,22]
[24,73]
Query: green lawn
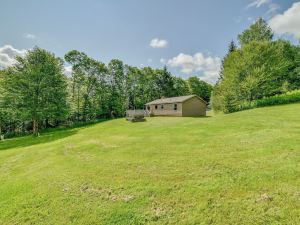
[241,168]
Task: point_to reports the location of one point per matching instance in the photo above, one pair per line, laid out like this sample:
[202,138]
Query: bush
[289,97]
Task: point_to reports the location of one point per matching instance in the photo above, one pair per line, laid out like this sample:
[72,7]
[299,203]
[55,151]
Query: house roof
[178,99]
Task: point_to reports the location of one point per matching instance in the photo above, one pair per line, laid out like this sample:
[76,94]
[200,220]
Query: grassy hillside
[242,168]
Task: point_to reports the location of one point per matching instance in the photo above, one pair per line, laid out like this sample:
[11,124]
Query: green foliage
[286,98]
[232,47]
[117,84]
[257,70]
[35,88]
[165,83]
[259,31]
[261,68]
[181,87]
[2,109]
[200,88]
[141,86]
[88,86]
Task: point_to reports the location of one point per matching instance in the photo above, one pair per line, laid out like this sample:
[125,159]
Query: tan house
[191,105]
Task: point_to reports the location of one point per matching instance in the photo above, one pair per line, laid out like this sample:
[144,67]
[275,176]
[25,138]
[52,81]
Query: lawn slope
[241,168]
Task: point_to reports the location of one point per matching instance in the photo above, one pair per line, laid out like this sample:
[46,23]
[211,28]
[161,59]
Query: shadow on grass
[199,117]
[46,136]
[167,116]
[26,141]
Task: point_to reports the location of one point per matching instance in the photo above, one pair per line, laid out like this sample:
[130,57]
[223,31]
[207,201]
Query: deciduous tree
[36,87]
[259,31]
[200,88]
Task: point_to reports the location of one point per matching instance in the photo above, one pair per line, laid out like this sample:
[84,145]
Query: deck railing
[136,115]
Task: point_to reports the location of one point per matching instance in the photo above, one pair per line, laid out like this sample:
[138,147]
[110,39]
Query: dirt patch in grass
[104,193]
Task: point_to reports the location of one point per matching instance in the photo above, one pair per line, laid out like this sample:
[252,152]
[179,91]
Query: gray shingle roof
[178,99]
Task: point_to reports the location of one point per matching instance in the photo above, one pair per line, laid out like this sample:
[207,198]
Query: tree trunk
[1,137]
[35,127]
[78,106]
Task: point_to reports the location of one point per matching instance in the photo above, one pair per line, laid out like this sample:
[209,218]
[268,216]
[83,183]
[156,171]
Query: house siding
[168,109]
[191,105]
[194,107]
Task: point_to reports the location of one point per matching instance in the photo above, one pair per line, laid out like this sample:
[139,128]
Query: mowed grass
[242,168]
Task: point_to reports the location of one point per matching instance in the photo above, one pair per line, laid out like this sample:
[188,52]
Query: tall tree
[231,48]
[181,87]
[88,84]
[36,87]
[165,83]
[77,60]
[2,109]
[259,69]
[138,87]
[200,88]
[117,100]
[259,31]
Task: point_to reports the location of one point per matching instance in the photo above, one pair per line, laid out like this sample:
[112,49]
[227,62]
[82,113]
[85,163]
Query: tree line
[36,94]
[260,67]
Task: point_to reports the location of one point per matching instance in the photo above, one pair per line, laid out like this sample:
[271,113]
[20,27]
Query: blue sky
[190,36]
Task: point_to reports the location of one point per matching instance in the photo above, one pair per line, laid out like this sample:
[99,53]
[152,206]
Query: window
[162,106]
[148,107]
[155,106]
[175,106]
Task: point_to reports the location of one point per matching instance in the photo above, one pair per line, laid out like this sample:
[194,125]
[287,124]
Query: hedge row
[289,97]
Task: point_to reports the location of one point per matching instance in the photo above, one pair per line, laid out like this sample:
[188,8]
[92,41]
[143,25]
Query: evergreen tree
[231,48]
[165,83]
[181,87]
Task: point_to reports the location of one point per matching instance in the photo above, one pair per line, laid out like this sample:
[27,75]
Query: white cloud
[188,64]
[258,3]
[29,36]
[273,8]
[158,43]
[288,22]
[8,54]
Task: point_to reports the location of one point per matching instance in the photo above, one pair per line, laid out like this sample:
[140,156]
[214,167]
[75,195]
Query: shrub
[289,97]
